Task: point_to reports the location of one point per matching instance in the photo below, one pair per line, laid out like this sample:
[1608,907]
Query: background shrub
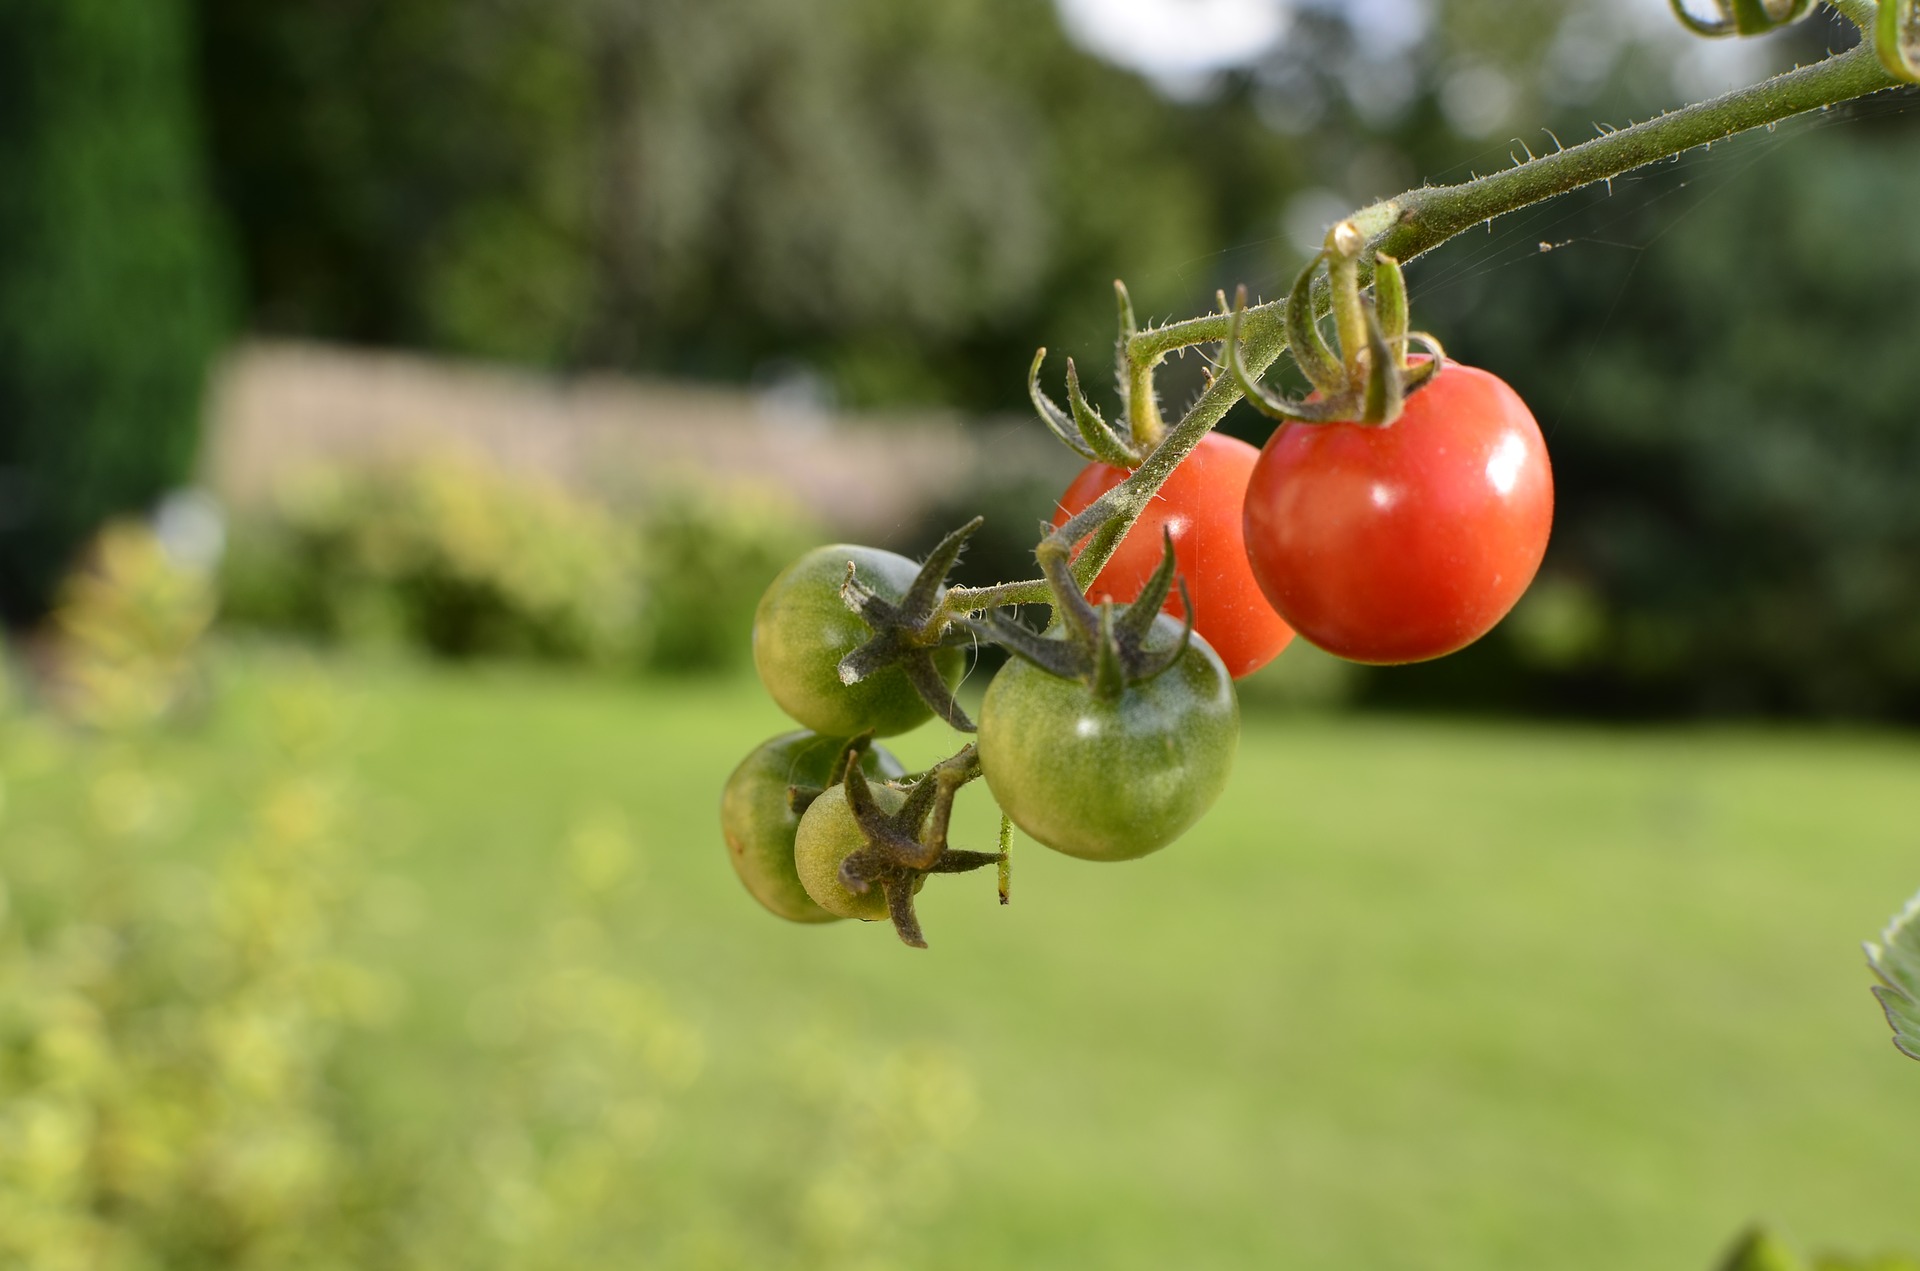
[456,558]
[463,559]
[709,553]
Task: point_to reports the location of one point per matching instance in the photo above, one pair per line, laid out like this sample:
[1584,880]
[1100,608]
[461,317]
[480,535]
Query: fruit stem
[1344,244]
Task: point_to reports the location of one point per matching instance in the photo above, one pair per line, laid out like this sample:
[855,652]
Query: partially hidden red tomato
[1200,504]
[1406,541]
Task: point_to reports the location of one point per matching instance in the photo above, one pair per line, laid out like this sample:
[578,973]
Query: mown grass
[1417,994]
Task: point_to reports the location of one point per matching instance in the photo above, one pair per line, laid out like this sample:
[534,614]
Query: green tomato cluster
[1103,774]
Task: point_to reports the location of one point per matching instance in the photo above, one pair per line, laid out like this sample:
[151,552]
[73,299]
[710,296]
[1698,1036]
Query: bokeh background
[404,402]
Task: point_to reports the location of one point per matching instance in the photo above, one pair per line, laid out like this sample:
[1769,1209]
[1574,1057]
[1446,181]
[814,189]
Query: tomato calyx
[1369,379]
[908,634]
[1106,646]
[905,846]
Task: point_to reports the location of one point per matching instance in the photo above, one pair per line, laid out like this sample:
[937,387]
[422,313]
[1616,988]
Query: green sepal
[1133,628]
[1109,678]
[1153,596]
[1258,397]
[1311,352]
[1101,439]
[1390,304]
[923,597]
[1055,657]
[1386,392]
[1057,421]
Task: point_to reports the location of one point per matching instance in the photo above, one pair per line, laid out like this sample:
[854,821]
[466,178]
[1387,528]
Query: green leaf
[1896,960]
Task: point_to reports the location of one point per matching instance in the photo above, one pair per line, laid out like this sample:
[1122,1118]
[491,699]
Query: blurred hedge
[112,277]
[463,559]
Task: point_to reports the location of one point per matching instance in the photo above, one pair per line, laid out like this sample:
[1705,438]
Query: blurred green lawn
[1417,994]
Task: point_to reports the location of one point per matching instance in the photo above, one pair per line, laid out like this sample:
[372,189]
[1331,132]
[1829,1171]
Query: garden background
[403,403]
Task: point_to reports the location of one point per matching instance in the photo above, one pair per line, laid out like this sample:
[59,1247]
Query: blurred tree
[908,196]
[111,277]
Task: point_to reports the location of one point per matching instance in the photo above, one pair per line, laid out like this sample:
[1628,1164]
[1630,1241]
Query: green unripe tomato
[802,629]
[759,824]
[828,835]
[1110,779]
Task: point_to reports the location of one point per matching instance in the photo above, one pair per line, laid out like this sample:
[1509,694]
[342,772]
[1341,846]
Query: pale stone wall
[279,407]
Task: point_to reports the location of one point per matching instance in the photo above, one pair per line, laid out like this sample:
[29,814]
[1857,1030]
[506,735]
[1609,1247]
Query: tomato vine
[1115,729]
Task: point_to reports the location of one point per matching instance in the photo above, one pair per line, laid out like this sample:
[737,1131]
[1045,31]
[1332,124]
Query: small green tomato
[1116,777]
[828,835]
[759,824]
[802,629]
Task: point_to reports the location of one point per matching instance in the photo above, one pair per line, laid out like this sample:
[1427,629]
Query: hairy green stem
[1418,221]
[1409,225]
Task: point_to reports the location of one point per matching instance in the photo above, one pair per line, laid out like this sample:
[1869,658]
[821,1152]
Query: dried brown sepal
[905,635]
[904,847]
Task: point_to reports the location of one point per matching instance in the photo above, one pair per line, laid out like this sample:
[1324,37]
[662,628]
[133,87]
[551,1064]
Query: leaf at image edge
[1896,960]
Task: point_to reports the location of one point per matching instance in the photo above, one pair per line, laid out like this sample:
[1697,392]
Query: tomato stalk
[1136,382]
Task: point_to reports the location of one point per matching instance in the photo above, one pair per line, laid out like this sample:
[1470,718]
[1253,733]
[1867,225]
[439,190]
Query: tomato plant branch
[1407,226]
[1416,222]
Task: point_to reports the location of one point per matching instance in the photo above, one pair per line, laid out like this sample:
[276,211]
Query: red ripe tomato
[1200,505]
[1407,541]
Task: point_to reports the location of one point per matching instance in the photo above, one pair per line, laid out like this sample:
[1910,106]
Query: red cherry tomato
[1407,541]
[1200,505]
